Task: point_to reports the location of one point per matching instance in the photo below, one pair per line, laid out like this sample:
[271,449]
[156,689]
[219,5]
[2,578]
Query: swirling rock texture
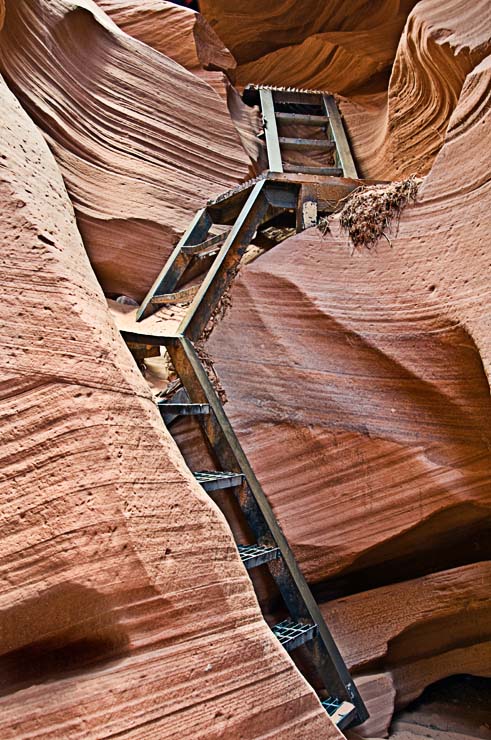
[400,132]
[129,127]
[177,32]
[397,125]
[358,381]
[359,384]
[188,38]
[123,608]
[335,46]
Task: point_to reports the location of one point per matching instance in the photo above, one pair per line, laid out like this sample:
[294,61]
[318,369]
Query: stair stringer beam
[222,271]
[168,278]
[262,521]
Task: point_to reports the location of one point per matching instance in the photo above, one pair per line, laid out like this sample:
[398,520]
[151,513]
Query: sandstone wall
[124,609]
[359,384]
[397,133]
[129,128]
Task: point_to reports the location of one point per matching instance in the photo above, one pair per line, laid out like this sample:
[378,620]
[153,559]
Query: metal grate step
[213,480]
[182,296]
[254,555]
[293,634]
[204,248]
[303,119]
[183,409]
[341,712]
[288,143]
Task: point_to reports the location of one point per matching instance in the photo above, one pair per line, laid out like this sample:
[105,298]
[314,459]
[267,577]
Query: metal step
[203,249]
[341,712]
[288,143]
[183,409]
[301,118]
[182,296]
[297,97]
[254,555]
[213,480]
[293,634]
[301,169]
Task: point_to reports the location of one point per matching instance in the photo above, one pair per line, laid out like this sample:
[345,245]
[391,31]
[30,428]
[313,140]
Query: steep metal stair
[210,252]
[313,108]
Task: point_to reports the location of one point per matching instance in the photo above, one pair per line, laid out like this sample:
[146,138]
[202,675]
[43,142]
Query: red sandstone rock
[342,61]
[303,40]
[124,610]
[413,634]
[401,133]
[175,31]
[357,383]
[398,126]
[413,620]
[132,134]
[186,37]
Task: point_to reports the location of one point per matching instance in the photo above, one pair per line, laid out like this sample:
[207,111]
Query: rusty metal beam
[262,521]
[174,268]
[344,156]
[271,130]
[222,270]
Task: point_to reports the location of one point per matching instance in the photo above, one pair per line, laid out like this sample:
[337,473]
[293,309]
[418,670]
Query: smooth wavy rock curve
[359,385]
[400,133]
[175,31]
[403,637]
[188,38]
[129,128]
[258,29]
[124,609]
[340,47]
[371,362]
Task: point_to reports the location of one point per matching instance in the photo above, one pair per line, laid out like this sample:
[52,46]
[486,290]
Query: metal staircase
[282,107]
[209,254]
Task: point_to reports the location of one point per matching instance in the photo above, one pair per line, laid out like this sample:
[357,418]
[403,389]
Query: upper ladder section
[306,110]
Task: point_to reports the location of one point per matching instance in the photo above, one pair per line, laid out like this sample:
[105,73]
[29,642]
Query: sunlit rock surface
[186,37]
[129,128]
[358,380]
[397,133]
[358,383]
[124,609]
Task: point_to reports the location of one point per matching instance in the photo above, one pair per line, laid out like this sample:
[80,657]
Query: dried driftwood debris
[367,214]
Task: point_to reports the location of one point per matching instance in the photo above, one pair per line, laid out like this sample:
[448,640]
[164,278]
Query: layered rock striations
[186,37]
[358,379]
[302,44]
[124,609]
[130,130]
[359,384]
[397,133]
[400,638]
[176,31]
[399,65]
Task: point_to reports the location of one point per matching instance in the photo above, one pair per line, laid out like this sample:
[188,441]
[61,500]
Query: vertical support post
[343,151]
[271,130]
[306,207]
[174,268]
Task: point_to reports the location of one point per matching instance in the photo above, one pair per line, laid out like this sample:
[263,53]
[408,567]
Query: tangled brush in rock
[368,212]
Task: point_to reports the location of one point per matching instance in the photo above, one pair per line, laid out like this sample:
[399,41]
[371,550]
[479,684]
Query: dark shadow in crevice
[457,706]
[435,545]
[67,630]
